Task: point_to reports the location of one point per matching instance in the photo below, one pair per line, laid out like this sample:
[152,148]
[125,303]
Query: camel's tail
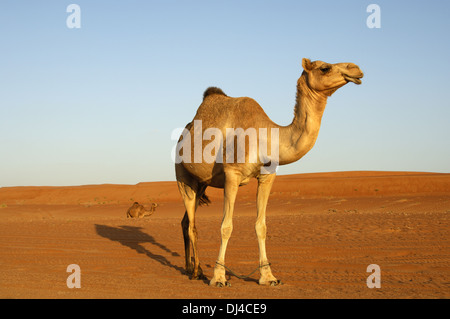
[204,200]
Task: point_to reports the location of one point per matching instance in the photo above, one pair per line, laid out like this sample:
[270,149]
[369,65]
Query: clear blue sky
[98,104]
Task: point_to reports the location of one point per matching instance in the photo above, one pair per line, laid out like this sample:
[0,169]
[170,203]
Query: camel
[318,81]
[139,211]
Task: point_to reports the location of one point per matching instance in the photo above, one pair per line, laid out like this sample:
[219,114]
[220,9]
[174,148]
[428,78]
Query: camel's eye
[325,69]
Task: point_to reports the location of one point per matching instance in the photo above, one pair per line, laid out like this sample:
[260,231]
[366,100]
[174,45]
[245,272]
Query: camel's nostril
[354,69]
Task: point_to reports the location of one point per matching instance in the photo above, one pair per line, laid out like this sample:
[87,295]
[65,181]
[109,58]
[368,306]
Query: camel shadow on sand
[133,237]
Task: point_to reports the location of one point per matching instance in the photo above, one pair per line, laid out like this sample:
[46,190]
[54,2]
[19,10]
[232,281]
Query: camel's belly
[214,174]
[206,173]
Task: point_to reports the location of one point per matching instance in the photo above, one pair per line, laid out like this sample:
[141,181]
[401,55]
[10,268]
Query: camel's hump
[213,90]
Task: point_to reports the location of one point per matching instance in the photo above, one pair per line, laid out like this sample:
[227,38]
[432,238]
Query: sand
[324,230]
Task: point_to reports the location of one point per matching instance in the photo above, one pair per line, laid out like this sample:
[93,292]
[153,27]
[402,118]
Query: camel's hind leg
[190,235]
[191,192]
[187,243]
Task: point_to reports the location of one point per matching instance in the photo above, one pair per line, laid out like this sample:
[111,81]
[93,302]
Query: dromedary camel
[218,112]
[139,211]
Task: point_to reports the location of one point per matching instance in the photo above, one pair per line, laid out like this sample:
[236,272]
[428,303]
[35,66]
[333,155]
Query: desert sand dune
[324,230]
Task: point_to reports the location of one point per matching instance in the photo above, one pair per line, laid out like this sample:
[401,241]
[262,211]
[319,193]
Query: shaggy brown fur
[213,90]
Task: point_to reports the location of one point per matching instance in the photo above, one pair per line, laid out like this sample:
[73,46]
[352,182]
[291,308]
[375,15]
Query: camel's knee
[261,230]
[226,231]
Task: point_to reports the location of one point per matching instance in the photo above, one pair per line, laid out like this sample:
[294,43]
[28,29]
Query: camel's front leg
[230,191]
[264,186]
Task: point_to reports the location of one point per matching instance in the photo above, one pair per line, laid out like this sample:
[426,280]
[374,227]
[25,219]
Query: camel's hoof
[191,273]
[271,283]
[275,283]
[189,270]
[199,277]
[221,284]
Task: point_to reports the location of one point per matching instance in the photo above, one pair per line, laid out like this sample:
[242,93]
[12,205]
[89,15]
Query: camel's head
[327,78]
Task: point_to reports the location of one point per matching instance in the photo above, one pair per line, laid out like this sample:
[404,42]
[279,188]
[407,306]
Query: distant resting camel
[139,211]
[219,112]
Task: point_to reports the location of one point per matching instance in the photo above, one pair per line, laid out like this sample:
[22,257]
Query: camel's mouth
[354,79]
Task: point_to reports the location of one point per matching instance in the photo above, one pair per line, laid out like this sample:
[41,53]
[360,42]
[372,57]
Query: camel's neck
[299,137]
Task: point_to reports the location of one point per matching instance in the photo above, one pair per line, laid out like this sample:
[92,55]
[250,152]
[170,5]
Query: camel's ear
[307,65]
